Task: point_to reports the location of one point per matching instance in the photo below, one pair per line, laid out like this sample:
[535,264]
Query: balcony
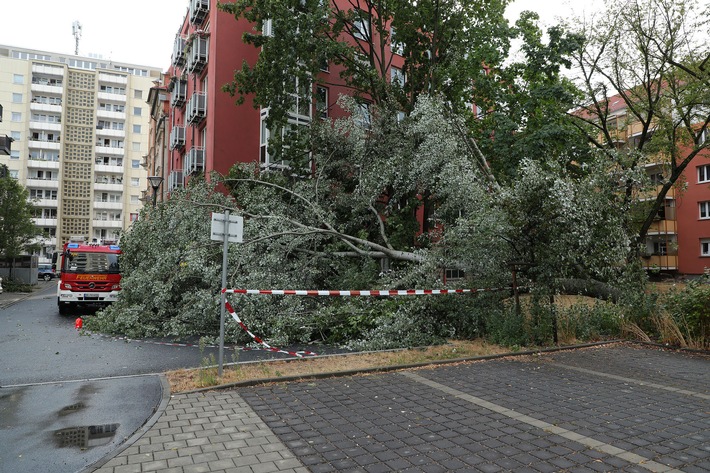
[109,114]
[113,151]
[107,223]
[663,227]
[175,180]
[199,9]
[178,92]
[196,108]
[42,164]
[45,107]
[179,55]
[106,205]
[111,97]
[45,126]
[38,144]
[194,160]
[46,88]
[110,132]
[112,78]
[47,203]
[107,168]
[42,183]
[177,137]
[48,70]
[45,222]
[660,262]
[197,54]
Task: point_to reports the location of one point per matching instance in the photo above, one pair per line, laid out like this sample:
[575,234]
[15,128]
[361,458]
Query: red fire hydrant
[78,323]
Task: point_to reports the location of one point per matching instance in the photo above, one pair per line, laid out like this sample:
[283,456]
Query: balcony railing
[177,137]
[196,108]
[175,180]
[198,11]
[179,56]
[197,54]
[178,93]
[194,160]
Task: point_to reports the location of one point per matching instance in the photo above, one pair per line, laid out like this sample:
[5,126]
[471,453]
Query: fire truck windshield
[81,263]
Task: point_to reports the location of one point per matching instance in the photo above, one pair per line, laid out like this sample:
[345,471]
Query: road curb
[385,369]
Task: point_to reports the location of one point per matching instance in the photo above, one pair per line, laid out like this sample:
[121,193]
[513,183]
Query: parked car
[45,272]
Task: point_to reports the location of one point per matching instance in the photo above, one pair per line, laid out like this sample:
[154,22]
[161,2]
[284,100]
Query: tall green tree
[17,230]
[646,65]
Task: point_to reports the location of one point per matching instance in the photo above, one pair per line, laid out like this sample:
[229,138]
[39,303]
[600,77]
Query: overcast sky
[143,31]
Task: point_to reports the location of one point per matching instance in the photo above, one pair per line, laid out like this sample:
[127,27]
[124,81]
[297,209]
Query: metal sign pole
[223,298]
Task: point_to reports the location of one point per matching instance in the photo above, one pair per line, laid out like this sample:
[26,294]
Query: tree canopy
[17,230]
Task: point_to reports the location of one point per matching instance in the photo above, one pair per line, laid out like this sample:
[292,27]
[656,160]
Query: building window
[138,94]
[704,209]
[134,217]
[15,154]
[397,77]
[363,117]
[16,117]
[135,200]
[135,163]
[14,173]
[703,173]
[361,25]
[136,146]
[137,111]
[322,102]
[397,47]
[136,128]
[16,135]
[135,182]
[16,98]
[18,79]
[660,248]
[705,247]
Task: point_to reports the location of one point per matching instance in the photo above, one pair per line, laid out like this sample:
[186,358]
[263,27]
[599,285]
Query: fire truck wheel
[65,309]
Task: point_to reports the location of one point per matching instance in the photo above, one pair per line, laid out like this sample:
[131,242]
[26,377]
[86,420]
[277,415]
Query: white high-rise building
[80,139]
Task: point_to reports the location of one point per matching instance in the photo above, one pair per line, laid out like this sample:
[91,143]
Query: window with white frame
[15,154]
[361,25]
[135,200]
[322,102]
[705,247]
[136,146]
[704,173]
[704,209]
[18,79]
[135,181]
[16,117]
[16,135]
[363,117]
[397,77]
[397,47]
[137,111]
[135,163]
[16,98]
[136,128]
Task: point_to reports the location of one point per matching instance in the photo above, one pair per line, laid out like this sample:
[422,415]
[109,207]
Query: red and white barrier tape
[299,292]
[376,293]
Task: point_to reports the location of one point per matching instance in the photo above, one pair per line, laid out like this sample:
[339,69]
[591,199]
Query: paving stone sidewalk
[614,408]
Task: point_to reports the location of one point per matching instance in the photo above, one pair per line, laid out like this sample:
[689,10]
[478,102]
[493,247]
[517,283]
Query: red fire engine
[89,274]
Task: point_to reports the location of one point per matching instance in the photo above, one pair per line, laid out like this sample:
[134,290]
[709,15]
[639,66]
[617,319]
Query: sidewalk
[9,298]
[612,408]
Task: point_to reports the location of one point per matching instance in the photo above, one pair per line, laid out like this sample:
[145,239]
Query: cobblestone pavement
[611,408]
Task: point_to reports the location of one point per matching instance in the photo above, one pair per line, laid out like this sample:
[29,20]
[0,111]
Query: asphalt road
[37,345]
[68,398]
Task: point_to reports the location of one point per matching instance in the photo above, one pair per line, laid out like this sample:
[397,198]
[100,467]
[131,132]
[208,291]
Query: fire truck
[88,273]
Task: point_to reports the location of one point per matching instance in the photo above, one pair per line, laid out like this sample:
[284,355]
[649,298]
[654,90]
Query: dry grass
[187,380]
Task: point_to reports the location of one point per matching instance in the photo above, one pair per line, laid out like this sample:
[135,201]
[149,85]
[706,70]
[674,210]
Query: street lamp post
[155,182]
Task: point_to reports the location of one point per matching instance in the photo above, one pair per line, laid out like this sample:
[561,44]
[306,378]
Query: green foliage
[17,230]
[12,285]
[585,322]
[171,269]
[690,309]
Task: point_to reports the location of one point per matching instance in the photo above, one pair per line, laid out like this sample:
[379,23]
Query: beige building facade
[80,128]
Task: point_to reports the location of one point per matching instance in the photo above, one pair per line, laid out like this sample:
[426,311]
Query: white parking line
[630,457]
[632,380]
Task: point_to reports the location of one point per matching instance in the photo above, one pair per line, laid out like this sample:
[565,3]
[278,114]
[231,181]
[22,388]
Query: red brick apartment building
[201,129]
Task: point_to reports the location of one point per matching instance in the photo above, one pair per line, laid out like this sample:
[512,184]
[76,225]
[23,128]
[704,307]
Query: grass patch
[187,380]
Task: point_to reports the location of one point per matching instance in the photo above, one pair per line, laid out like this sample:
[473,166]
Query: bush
[689,310]
[12,285]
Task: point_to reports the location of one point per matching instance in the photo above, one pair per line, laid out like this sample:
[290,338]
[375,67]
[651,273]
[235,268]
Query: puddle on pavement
[71,409]
[85,436]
